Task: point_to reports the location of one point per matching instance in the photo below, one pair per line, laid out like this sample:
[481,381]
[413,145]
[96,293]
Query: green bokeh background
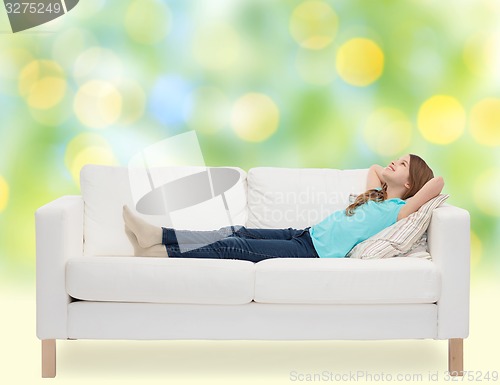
[429,48]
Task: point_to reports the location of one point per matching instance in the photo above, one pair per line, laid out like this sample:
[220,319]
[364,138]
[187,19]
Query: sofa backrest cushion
[299,197]
[105,189]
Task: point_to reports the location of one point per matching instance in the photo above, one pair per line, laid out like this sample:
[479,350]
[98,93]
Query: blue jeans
[239,242]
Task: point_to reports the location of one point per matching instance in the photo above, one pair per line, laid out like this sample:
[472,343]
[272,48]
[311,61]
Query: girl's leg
[151,241]
[152,251]
[254,233]
[147,237]
[174,236]
[147,234]
[253,250]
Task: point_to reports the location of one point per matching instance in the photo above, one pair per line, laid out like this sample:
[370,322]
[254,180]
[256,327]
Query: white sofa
[90,286]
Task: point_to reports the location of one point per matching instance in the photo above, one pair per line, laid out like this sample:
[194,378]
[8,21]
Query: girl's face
[398,172]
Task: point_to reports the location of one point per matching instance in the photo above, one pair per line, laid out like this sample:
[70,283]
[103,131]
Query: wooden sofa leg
[48,358]
[456,356]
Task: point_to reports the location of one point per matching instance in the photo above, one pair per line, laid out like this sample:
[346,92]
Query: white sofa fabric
[105,189]
[90,286]
[298,197]
[158,280]
[253,321]
[280,280]
[346,281]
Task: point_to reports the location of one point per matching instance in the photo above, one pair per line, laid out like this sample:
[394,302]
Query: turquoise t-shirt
[337,234]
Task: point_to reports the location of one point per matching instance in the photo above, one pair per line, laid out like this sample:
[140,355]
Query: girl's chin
[386,175]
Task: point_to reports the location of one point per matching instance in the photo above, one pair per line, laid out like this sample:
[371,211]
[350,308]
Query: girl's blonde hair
[420,174]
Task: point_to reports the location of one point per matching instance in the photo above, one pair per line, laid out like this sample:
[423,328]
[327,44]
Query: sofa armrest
[448,240]
[59,236]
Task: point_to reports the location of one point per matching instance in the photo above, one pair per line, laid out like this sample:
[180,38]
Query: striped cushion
[399,239]
[419,249]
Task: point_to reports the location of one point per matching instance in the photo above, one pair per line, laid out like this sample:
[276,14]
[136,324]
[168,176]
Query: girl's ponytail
[377,195]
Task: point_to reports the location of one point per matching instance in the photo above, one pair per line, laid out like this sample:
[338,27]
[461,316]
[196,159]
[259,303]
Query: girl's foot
[153,251]
[147,234]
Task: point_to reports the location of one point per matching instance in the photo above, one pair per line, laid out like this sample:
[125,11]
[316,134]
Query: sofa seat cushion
[160,280]
[347,281]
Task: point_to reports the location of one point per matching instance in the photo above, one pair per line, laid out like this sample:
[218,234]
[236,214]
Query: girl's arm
[374,178]
[430,190]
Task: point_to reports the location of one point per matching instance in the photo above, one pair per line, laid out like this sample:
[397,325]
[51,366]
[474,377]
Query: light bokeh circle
[4,193]
[313,24]
[42,83]
[166,99]
[388,131]
[486,191]
[47,92]
[87,148]
[147,21]
[441,119]
[485,122]
[360,62]
[54,116]
[254,117]
[98,104]
[481,54]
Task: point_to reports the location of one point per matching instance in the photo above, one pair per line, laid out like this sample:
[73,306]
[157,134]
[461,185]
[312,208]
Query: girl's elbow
[440,183]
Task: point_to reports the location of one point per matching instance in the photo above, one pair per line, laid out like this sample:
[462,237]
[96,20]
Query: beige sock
[153,251]
[147,234]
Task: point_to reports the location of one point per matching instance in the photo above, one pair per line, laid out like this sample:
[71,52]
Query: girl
[393,193]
